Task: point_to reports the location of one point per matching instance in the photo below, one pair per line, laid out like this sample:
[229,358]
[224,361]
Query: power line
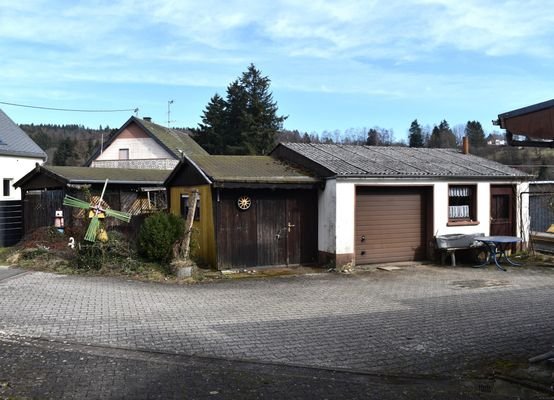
[68,109]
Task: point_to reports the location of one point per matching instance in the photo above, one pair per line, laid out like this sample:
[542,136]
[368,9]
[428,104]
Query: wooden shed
[136,191]
[253,211]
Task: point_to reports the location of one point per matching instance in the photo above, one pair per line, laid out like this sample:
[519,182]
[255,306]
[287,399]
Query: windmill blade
[92,229]
[120,215]
[75,202]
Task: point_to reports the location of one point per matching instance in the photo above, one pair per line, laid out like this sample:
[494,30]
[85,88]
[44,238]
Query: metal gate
[11,222]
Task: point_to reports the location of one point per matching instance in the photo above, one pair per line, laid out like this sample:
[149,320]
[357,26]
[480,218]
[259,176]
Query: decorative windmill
[96,211]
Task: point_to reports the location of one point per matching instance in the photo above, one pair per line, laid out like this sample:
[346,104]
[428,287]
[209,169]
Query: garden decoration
[96,212]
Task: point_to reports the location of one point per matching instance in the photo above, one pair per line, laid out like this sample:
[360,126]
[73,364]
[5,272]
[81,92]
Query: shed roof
[251,169]
[86,175]
[15,142]
[397,162]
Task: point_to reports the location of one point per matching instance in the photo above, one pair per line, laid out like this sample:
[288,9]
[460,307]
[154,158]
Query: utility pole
[169,103]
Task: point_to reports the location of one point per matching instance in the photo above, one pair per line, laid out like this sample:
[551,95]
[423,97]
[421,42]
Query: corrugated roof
[15,142]
[377,161]
[115,175]
[174,140]
[262,169]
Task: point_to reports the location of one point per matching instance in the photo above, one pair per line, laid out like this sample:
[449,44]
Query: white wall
[327,217]
[15,168]
[139,148]
[337,203]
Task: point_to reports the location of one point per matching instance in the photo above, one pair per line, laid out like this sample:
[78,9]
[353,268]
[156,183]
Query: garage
[391,224]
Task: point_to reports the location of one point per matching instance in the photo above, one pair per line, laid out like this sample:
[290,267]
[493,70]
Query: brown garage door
[390,225]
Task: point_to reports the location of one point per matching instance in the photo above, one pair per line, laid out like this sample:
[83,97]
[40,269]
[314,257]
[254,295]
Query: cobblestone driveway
[415,320]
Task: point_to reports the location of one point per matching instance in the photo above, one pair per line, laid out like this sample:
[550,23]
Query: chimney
[465,145]
[147,119]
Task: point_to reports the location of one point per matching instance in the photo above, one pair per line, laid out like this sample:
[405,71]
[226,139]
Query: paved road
[422,320]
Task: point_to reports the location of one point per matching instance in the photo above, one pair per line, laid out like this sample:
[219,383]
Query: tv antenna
[169,121]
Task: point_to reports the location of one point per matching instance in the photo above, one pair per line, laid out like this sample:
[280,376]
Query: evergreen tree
[373,137]
[442,136]
[416,134]
[65,152]
[475,134]
[210,132]
[245,122]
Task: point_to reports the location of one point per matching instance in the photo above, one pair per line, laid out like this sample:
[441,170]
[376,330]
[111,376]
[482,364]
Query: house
[138,191]
[383,204]
[342,204]
[140,143]
[18,154]
[531,126]
[253,210]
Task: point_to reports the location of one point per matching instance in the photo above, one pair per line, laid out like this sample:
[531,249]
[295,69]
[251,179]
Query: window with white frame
[123,154]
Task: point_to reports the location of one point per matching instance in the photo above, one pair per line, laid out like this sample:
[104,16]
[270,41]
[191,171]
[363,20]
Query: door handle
[289,225]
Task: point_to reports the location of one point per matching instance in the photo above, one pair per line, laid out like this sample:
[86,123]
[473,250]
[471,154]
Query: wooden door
[502,211]
[280,228]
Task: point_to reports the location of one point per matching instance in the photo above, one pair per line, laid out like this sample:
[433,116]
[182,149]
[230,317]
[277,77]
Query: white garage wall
[337,203]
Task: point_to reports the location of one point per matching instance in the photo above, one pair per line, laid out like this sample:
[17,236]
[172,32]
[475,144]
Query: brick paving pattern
[416,320]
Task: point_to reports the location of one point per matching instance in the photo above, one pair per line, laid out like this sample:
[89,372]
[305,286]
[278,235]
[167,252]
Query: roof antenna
[169,103]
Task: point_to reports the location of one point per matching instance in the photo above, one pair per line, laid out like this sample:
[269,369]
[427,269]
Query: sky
[333,65]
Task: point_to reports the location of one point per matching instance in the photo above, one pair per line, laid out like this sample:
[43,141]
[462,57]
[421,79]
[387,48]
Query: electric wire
[68,109]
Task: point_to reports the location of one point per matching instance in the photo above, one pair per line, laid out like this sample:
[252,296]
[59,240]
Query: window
[185,207]
[6,188]
[462,205]
[123,154]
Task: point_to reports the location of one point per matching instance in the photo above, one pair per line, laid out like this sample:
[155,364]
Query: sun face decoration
[244,203]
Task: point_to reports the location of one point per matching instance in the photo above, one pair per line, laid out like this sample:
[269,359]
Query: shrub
[157,235]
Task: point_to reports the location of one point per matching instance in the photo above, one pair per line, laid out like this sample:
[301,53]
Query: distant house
[142,144]
[18,155]
[310,203]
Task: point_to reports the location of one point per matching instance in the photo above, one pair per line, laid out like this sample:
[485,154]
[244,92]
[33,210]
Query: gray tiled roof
[15,142]
[377,161]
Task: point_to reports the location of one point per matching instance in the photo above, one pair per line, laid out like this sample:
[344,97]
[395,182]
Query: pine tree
[475,134]
[416,134]
[246,121]
[442,136]
[373,137]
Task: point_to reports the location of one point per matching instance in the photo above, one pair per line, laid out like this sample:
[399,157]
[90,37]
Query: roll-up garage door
[390,224]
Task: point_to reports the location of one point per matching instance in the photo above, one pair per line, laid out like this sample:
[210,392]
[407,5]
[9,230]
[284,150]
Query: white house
[18,155]
[142,144]
[384,204]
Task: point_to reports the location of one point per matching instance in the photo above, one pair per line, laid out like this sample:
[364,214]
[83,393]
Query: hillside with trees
[67,144]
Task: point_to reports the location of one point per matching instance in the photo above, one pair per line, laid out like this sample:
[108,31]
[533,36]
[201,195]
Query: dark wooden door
[280,228]
[502,211]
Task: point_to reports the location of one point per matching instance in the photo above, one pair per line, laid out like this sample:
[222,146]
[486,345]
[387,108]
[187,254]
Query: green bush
[90,256]
[157,235]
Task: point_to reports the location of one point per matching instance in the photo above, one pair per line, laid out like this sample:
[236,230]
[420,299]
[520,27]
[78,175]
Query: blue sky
[333,64]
